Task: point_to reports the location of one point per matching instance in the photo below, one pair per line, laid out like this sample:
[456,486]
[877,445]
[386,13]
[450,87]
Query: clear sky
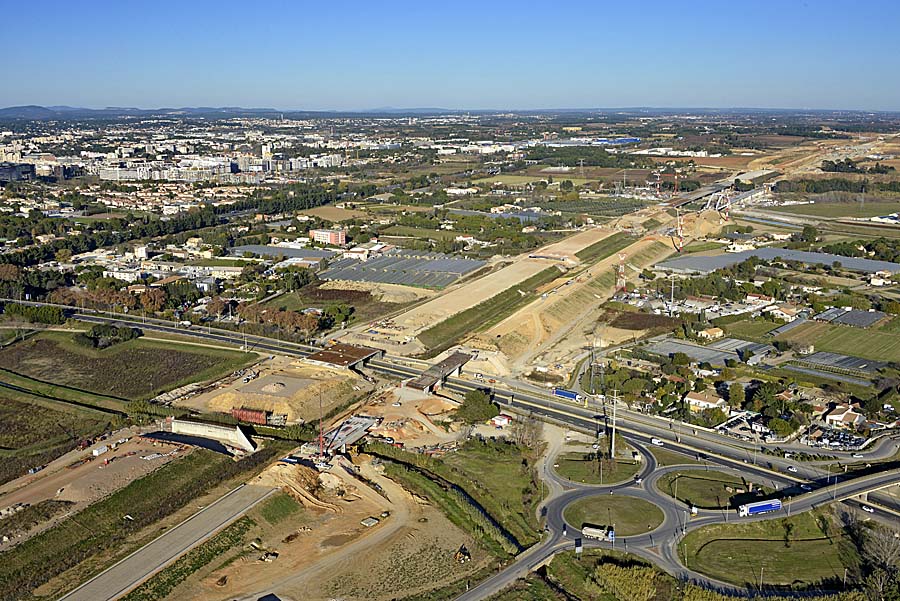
[333,54]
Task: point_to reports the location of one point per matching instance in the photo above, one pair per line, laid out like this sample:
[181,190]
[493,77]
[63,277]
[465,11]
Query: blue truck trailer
[567,394]
[759,507]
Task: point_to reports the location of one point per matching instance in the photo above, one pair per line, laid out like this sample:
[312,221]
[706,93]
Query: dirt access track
[333,556]
[468,294]
[552,330]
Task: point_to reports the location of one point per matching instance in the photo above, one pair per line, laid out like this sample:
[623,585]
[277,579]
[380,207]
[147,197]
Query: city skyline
[354,57]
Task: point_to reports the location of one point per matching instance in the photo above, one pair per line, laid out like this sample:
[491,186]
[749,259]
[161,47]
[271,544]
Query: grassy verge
[443,335]
[455,506]
[101,529]
[804,549]
[707,489]
[496,475]
[278,508]
[610,576]
[162,584]
[604,248]
[629,515]
[665,457]
[575,467]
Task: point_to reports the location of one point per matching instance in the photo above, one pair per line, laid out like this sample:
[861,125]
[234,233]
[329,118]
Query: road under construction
[807,485]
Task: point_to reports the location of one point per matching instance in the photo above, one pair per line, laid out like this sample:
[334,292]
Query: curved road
[659,545]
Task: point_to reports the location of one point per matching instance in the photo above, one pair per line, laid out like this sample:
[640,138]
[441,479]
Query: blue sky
[453,54]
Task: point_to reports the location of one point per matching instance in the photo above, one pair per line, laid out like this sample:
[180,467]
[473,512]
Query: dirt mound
[435,406]
[301,482]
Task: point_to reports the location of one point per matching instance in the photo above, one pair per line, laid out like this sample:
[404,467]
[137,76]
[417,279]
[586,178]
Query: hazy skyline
[497,55]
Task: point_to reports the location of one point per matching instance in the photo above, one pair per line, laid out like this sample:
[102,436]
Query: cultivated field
[749,329]
[138,369]
[365,305]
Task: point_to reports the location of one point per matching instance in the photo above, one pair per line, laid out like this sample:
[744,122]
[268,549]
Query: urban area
[428,355]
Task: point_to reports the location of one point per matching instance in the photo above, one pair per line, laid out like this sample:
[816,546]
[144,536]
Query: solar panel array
[410,268]
[854,317]
[838,361]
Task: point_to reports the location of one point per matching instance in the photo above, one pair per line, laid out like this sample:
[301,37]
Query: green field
[705,489]
[878,345]
[749,329]
[699,247]
[418,232]
[443,335]
[604,248]
[278,508]
[138,369]
[629,515]
[841,209]
[736,553]
[575,467]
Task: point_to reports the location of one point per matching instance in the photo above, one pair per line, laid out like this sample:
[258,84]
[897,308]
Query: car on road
[657,442]
[805,487]
[868,509]
[857,455]
[792,469]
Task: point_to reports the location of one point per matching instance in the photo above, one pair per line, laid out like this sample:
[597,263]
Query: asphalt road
[149,559]
[658,545]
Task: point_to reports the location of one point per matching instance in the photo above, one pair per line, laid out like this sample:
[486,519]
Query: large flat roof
[710,264]
[343,355]
[281,251]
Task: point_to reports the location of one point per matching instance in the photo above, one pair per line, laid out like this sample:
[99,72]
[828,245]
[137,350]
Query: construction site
[296,389]
[358,535]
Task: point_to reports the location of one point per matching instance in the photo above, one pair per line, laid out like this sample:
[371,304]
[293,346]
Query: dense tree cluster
[882,249]
[851,166]
[105,335]
[47,315]
[820,186]
[592,156]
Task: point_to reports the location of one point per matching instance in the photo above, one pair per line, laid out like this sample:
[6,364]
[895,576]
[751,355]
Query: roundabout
[625,514]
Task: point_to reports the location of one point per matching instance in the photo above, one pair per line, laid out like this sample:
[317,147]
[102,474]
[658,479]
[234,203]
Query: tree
[736,395]
[63,255]
[476,408]
[216,306]
[153,300]
[780,427]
